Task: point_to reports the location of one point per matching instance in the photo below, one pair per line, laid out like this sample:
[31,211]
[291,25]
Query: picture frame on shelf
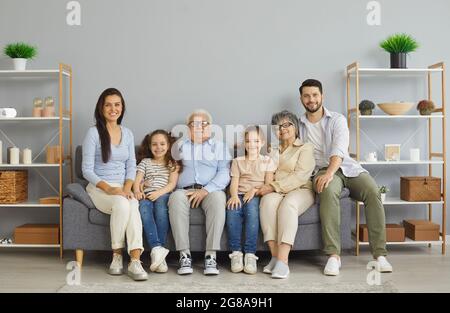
[392,152]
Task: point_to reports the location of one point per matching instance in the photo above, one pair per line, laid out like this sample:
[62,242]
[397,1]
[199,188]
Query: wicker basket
[13,186]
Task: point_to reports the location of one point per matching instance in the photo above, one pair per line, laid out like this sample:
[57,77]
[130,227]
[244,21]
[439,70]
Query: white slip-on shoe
[269,267]
[384,265]
[280,270]
[136,271]
[157,256]
[250,266]
[332,267]
[237,263]
[116,267]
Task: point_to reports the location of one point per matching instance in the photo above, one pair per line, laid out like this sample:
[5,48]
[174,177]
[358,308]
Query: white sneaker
[237,264]
[250,263]
[332,267]
[116,267]
[157,256]
[384,265]
[162,268]
[136,271]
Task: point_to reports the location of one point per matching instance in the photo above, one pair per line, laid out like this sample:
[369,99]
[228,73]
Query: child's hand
[234,203]
[249,195]
[139,195]
[154,195]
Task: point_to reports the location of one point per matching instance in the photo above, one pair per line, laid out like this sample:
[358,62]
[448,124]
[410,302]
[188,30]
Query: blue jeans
[155,220]
[248,213]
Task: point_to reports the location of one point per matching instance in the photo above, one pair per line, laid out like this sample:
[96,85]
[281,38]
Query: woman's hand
[154,195]
[234,203]
[249,195]
[139,195]
[118,191]
[264,190]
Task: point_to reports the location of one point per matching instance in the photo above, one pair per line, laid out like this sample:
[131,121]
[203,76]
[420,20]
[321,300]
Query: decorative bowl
[395,108]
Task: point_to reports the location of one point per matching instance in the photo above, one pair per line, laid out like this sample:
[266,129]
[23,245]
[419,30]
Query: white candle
[414,154]
[14,155]
[27,156]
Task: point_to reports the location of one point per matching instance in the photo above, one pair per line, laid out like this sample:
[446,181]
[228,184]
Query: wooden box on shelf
[53,154]
[420,188]
[37,234]
[394,233]
[421,230]
[13,186]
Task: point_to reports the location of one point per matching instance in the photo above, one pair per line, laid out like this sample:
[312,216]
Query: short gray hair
[199,112]
[286,115]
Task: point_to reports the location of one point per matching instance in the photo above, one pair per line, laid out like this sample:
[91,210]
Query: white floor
[416,269]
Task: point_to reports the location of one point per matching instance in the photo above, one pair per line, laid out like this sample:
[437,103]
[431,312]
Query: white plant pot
[383,197]
[20,64]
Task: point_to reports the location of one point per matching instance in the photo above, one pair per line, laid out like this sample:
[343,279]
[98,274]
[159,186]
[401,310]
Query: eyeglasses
[202,124]
[285,125]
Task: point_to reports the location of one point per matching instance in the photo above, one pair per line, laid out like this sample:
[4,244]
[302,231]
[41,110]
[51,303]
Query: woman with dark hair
[289,195]
[109,165]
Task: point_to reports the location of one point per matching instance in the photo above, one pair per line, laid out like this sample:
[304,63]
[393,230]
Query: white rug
[200,287]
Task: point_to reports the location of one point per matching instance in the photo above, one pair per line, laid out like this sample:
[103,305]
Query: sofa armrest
[77,192]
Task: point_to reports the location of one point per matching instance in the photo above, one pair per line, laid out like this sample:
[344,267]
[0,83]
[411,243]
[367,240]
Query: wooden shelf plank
[32,119]
[402,162]
[28,204]
[29,246]
[32,74]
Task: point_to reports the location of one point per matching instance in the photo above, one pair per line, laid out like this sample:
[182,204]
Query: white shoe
[157,256]
[162,268]
[384,265]
[280,270]
[237,264]
[332,267]
[136,271]
[250,263]
[269,267]
[116,267]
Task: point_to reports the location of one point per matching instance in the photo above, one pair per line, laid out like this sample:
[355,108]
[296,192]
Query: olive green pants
[362,188]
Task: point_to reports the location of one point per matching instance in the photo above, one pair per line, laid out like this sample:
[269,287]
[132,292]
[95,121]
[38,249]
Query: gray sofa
[86,228]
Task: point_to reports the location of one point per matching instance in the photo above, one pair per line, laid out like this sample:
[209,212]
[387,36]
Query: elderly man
[205,174]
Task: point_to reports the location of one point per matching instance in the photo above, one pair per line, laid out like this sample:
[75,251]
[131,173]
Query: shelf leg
[357,228]
[79,257]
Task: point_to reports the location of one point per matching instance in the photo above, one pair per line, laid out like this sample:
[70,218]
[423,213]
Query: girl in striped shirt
[157,175]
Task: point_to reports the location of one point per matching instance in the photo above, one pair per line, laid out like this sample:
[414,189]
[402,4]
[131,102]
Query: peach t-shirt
[251,173]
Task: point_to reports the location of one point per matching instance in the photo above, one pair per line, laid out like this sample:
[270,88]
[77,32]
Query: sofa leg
[79,257]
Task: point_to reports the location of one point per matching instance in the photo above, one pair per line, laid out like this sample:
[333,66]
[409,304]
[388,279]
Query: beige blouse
[295,167]
[251,173]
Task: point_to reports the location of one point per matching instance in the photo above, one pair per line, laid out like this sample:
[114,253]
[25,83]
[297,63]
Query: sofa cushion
[99,218]
[77,192]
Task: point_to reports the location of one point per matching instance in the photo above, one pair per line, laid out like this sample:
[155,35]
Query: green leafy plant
[366,107]
[384,189]
[20,50]
[399,43]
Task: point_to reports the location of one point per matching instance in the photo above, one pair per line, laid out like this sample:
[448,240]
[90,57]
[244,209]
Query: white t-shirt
[316,136]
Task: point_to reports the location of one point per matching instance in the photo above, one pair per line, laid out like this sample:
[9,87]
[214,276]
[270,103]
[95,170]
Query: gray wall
[240,59]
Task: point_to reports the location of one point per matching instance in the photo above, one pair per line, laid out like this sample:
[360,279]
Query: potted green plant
[366,107]
[20,52]
[425,107]
[399,45]
[383,191]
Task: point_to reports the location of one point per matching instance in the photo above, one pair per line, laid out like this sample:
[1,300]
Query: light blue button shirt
[207,164]
[337,140]
[122,163]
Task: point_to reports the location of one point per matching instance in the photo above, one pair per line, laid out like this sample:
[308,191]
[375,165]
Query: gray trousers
[213,206]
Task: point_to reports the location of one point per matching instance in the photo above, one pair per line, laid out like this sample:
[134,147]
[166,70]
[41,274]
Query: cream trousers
[125,217]
[279,214]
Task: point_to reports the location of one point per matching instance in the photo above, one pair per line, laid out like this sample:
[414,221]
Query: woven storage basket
[13,186]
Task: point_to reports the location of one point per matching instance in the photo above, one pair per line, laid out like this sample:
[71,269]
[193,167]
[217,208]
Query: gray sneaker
[136,271]
[185,265]
[210,266]
[116,267]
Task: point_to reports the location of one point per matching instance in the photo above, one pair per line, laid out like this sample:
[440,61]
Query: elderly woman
[289,195]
